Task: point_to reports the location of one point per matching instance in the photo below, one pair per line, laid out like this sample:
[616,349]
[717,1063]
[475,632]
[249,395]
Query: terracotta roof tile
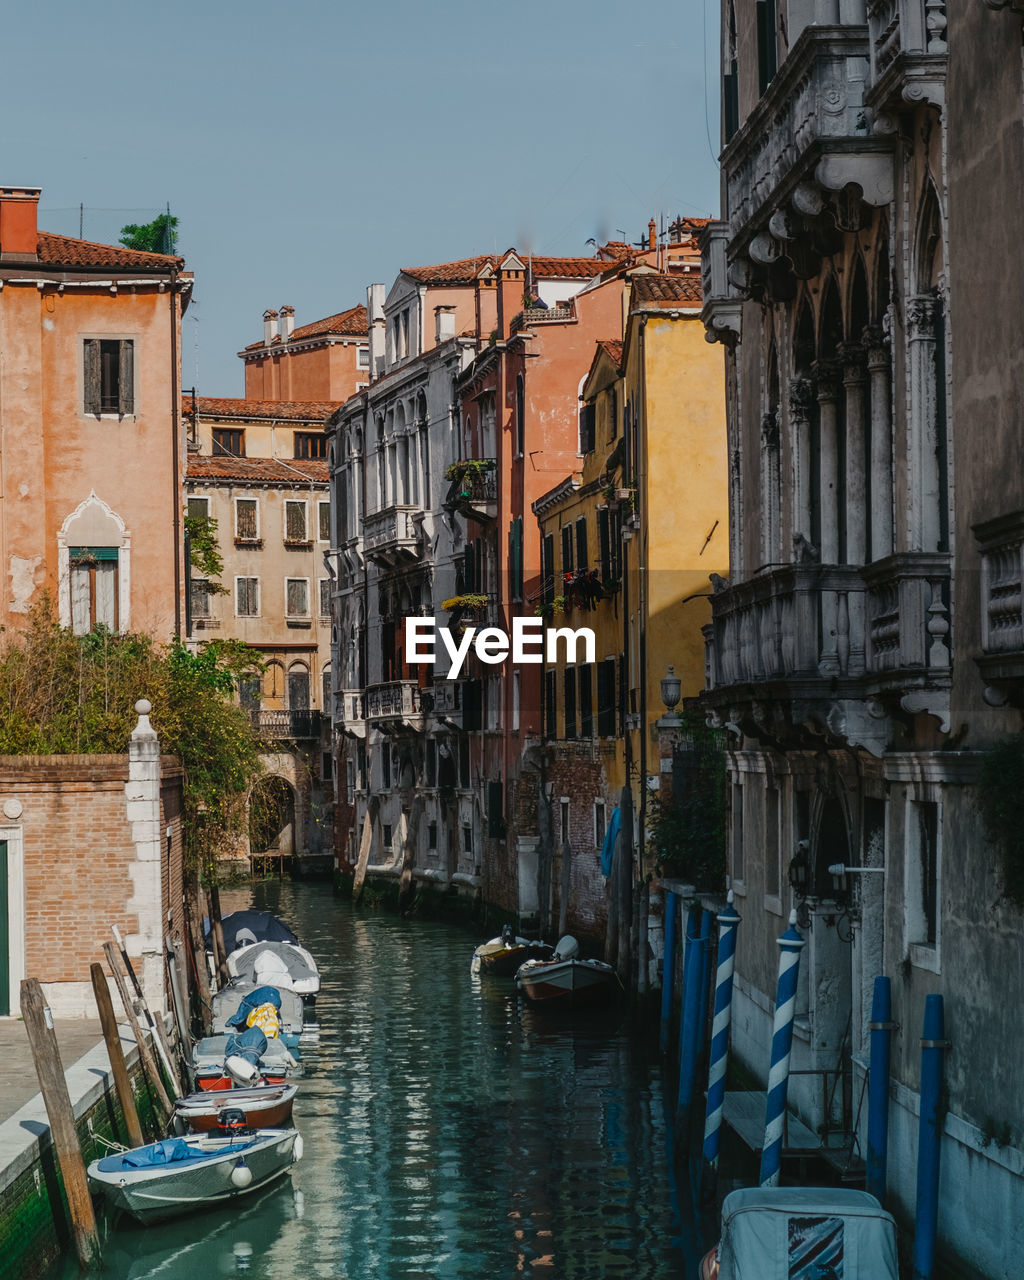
[464,271]
[257,470]
[666,291]
[613,348]
[291,410]
[63,251]
[567,268]
[352,323]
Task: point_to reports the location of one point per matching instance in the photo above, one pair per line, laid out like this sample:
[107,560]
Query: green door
[5,936]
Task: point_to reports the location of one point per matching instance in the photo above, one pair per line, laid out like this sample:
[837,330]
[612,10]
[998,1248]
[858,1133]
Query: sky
[314,148]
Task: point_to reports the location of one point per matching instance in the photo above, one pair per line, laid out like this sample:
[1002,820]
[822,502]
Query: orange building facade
[93,456]
[328,359]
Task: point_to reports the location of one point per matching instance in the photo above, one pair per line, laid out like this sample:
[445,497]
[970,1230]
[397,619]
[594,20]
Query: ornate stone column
[770,494]
[924,521]
[828,454]
[852,355]
[880,446]
[801,396]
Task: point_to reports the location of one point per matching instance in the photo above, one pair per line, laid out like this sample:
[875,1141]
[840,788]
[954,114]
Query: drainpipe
[926,1224]
[643,924]
[176,452]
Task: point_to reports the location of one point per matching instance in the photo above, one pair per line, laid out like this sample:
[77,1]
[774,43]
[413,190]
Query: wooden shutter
[92,377]
[582,555]
[570,702]
[567,548]
[605,544]
[126,377]
[295,521]
[585,698]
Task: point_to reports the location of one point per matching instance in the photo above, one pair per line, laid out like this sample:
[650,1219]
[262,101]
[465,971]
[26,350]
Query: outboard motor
[567,949]
[231,1123]
[507,936]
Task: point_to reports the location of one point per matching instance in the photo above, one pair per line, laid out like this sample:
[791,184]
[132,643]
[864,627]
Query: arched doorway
[271,824]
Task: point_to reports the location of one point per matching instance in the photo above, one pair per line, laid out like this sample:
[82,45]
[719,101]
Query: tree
[158,236]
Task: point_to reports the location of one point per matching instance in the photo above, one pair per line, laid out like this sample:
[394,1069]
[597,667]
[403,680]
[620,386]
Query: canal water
[450,1131]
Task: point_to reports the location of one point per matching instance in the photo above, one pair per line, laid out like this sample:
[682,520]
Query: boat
[502,956]
[183,1174]
[284,965]
[803,1233]
[242,927]
[264,1106]
[243,1059]
[239,1003]
[566,980]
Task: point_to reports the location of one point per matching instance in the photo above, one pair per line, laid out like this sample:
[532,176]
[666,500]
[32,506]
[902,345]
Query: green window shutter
[126,377]
[91,370]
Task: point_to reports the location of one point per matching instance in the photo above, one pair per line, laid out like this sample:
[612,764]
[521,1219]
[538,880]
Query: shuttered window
[582,555]
[324,512]
[295,522]
[296,592]
[585,698]
[228,443]
[247,525]
[567,548]
[109,375]
[325,598]
[310,444]
[200,593]
[570,702]
[547,569]
[247,597]
[607,698]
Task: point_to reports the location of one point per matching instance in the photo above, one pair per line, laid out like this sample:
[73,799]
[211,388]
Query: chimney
[444,324]
[269,327]
[652,234]
[18,227]
[511,285]
[287,322]
[375,295]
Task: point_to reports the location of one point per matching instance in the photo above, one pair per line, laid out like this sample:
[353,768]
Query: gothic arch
[93,523]
[830,321]
[858,309]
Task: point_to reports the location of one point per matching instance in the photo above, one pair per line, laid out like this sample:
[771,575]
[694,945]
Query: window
[547,569]
[585,680]
[564,818]
[567,565]
[109,375]
[587,416]
[600,823]
[247,520]
[922,883]
[467,839]
[515,556]
[326,768]
[325,598]
[613,414]
[324,516]
[362,357]
[385,764]
[199,590]
[249,692]
[296,597]
[199,508]
[247,597]
[582,558]
[310,444]
[432,835]
[606,699]
[228,442]
[767,55]
[385,835]
[325,689]
[94,588]
[298,688]
[295,521]
[570,702]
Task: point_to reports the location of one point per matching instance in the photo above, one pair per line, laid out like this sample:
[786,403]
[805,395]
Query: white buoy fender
[297,1147]
[241,1175]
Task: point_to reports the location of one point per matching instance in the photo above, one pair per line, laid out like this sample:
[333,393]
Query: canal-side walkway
[18,1081]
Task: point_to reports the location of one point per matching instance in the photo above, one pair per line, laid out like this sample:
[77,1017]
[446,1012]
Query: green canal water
[450,1132]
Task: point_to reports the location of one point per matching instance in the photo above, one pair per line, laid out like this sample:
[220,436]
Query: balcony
[349,704]
[396,701]
[801,164]
[908,52]
[391,537]
[294,726]
[474,489]
[1001,542]
[839,648]
[530,316]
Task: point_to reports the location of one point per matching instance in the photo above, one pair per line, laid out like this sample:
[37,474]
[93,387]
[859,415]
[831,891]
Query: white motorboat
[803,1233]
[566,980]
[215,1061]
[265,1106]
[182,1174]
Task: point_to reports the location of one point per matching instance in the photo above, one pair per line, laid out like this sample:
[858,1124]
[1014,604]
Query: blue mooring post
[668,969]
[933,1045]
[727,923]
[688,1028]
[878,1087]
[702,988]
[790,946]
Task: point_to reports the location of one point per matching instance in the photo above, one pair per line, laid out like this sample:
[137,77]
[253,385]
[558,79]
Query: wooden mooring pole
[116,1054]
[148,1061]
[54,1088]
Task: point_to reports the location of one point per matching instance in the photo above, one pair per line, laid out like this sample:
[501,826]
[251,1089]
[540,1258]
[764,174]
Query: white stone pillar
[828,451]
[142,809]
[880,471]
[856,457]
[924,463]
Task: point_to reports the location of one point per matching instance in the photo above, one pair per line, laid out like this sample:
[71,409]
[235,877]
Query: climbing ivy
[687,835]
[204,551]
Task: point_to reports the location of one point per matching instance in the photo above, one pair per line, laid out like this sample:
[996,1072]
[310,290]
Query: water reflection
[449,1130]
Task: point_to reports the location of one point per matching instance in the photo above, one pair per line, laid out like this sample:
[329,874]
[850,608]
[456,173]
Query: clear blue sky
[310,149]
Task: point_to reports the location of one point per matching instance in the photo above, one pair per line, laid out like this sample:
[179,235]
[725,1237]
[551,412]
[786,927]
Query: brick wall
[579,777]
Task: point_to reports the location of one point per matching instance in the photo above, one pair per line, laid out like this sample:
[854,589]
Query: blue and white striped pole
[689,1015]
[727,922]
[790,946]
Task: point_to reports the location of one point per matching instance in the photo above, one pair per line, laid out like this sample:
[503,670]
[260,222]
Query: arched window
[273,686]
[298,687]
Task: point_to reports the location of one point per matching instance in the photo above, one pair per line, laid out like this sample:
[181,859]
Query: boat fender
[241,1175]
[297,1148]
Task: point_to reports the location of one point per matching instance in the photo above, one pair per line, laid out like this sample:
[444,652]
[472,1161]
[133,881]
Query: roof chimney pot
[652,234]
[19,207]
[287,322]
[269,326]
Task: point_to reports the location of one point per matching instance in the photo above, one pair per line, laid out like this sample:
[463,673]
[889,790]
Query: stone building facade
[865,653]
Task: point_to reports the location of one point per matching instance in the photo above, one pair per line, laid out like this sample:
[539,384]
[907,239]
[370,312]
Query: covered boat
[264,1107]
[182,1174]
[243,927]
[502,956]
[241,1004]
[244,1059]
[284,965]
[803,1233]
[566,980]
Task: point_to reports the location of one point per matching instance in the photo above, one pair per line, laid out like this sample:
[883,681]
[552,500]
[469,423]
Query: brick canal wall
[35,1229]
